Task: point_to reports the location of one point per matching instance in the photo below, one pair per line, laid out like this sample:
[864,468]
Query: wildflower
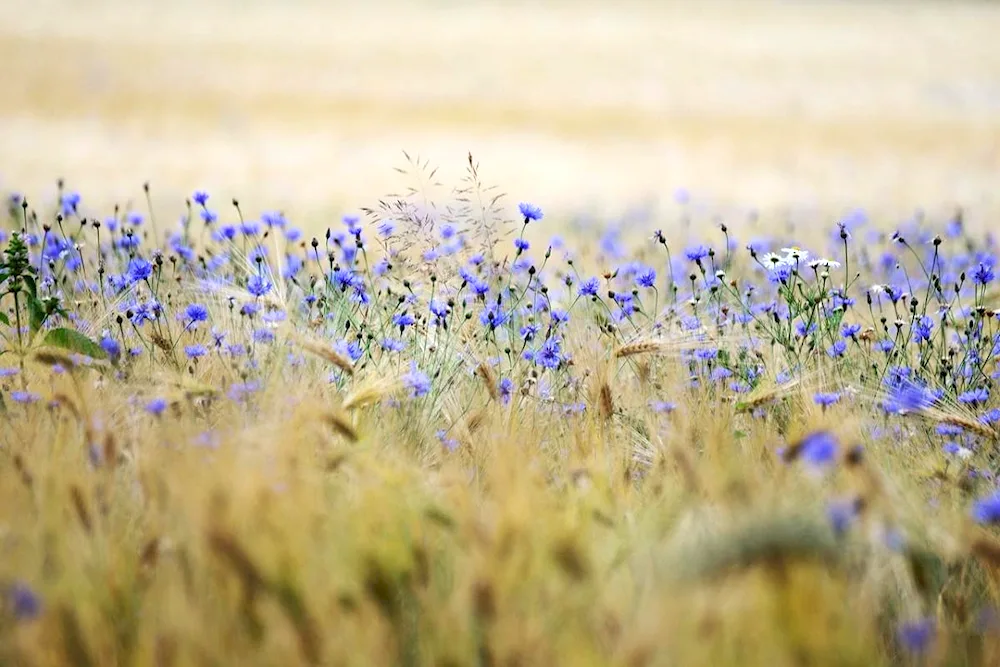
[987,510]
[823,263]
[493,316]
[195,312]
[850,330]
[841,515]
[646,278]
[258,286]
[974,396]
[392,345]
[826,399]
[837,349]
[529,212]
[449,443]
[549,354]
[8,372]
[521,244]
[200,198]
[25,397]
[156,406]
[696,253]
[908,396]
[818,448]
[195,351]
[916,636]
[111,347]
[983,274]
[505,387]
[773,260]
[403,320]
[922,329]
[663,407]
[794,254]
[139,269]
[416,381]
[24,602]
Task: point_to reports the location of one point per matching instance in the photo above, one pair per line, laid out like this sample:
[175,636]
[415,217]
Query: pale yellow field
[568,104]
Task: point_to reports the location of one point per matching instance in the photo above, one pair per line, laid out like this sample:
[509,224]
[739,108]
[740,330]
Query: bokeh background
[575,105]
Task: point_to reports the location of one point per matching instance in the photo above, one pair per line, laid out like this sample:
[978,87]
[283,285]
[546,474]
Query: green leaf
[5,319]
[36,313]
[74,341]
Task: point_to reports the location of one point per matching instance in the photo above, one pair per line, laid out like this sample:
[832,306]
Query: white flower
[825,263]
[795,254]
[774,260]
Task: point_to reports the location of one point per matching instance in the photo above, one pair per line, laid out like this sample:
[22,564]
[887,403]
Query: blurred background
[574,105]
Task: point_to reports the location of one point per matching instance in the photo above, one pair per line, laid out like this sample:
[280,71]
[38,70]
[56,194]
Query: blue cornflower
[258,285]
[209,217]
[263,336]
[521,244]
[922,329]
[974,396]
[696,253]
[403,320]
[111,347]
[195,351]
[983,274]
[195,312]
[949,430]
[819,448]
[200,197]
[24,396]
[417,381]
[589,287]
[837,349]
[706,354]
[392,345]
[506,388]
[549,354]
[908,396]
[70,201]
[529,212]
[134,218]
[139,269]
[850,330]
[274,219]
[24,602]
[439,309]
[841,515]
[802,329]
[493,316]
[916,636]
[990,416]
[156,406]
[646,278]
[449,443]
[826,399]
[529,331]
[987,509]
[663,407]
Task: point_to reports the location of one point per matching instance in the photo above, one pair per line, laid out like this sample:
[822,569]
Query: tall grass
[431,437]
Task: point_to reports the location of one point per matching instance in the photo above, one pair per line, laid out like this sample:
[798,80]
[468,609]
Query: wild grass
[415,441]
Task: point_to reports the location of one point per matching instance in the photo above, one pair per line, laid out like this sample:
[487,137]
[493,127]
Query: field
[684,356]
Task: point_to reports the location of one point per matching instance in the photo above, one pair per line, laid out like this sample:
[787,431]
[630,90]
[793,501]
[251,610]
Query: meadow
[689,362]
[440,434]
